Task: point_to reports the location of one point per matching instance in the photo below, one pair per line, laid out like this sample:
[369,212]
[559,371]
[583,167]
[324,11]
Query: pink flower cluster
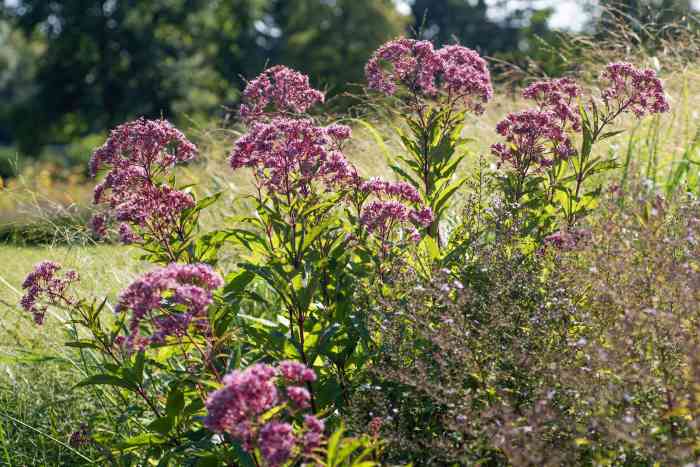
[187,288]
[138,153]
[630,89]
[280,87]
[288,155]
[394,204]
[558,96]
[534,139]
[455,70]
[44,285]
[237,408]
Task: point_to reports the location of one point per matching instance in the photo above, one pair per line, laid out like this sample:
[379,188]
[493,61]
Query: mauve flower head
[245,395]
[313,435]
[98,225]
[300,396]
[630,89]
[465,76]
[407,62]
[558,96]
[126,234]
[152,145]
[295,372]
[44,285]
[454,70]
[534,139]
[278,89]
[158,206]
[137,154]
[188,285]
[289,155]
[381,217]
[383,189]
[277,442]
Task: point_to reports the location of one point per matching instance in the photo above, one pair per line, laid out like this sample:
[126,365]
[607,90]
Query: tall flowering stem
[545,173]
[438,87]
[296,239]
[137,189]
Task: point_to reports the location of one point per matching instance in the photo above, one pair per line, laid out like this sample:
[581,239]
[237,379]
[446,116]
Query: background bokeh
[72,69]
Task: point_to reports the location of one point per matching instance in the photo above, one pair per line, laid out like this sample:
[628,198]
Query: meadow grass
[38,409]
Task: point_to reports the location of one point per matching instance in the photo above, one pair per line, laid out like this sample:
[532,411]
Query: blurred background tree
[74,68]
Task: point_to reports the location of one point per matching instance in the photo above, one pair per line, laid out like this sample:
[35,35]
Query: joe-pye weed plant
[258,366]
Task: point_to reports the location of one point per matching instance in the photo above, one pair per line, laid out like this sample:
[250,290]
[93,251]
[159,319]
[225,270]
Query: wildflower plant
[436,89]
[547,154]
[257,366]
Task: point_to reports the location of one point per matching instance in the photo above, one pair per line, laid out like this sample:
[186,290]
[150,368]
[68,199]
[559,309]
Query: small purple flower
[314,433]
[295,372]
[44,286]
[466,76]
[188,285]
[558,96]
[534,139]
[630,89]
[276,442]
[245,395]
[288,156]
[300,396]
[279,88]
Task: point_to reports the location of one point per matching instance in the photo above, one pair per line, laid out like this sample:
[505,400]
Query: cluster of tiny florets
[45,286]
[138,153]
[186,288]
[558,96]
[466,76]
[279,90]
[389,205]
[288,155]
[534,139]
[455,70]
[237,409]
[630,89]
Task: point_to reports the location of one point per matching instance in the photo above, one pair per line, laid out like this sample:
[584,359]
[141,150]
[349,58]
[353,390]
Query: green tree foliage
[106,61]
[471,23]
[331,40]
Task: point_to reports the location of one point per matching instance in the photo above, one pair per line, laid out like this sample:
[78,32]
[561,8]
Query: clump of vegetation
[524,313]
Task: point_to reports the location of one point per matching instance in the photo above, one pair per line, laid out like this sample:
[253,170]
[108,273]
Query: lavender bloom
[279,87]
[400,190]
[466,76]
[137,153]
[300,396]
[147,144]
[455,70]
[189,285]
[43,285]
[534,140]
[381,217]
[295,372]
[314,433]
[245,395]
[409,62]
[98,225]
[558,96]
[127,236]
[289,155]
[630,89]
[277,442]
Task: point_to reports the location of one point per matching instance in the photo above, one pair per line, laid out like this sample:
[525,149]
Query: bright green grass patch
[38,409]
